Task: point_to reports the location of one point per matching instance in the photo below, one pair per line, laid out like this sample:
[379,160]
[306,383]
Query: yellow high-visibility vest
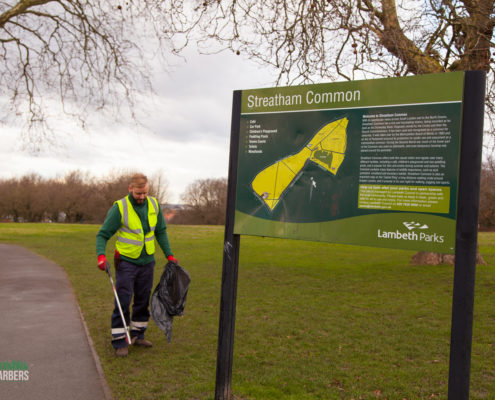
[130,237]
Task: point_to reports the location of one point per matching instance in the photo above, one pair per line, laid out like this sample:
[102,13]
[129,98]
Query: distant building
[170,211]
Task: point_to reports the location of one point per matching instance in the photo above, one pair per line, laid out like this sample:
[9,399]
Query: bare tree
[347,39]
[159,186]
[52,199]
[88,55]
[351,39]
[74,195]
[205,202]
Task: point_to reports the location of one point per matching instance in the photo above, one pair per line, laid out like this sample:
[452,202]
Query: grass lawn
[314,320]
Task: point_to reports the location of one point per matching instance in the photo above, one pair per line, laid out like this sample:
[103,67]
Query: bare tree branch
[94,55]
[310,40]
[88,55]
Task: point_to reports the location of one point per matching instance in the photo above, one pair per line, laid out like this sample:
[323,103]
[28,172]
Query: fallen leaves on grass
[336,383]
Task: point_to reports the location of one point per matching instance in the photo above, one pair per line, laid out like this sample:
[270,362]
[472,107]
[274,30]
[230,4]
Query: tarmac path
[42,329]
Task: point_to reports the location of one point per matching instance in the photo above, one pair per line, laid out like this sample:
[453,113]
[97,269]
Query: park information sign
[388,163]
[371,162]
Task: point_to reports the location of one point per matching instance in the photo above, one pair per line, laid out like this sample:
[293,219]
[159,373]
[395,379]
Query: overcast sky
[189,135]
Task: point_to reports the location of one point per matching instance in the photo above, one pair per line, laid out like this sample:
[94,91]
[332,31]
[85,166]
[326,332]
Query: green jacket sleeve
[108,229]
[161,234]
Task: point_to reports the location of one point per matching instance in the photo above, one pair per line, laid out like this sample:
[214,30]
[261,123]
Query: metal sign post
[466,235]
[225,351]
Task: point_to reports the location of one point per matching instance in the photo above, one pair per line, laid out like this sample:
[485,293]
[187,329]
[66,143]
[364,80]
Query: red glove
[171,258]
[102,262]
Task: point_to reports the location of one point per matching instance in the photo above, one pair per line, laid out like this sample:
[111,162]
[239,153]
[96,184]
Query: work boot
[141,342]
[122,352]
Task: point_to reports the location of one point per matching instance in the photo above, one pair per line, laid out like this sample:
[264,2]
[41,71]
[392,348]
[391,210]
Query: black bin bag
[169,297]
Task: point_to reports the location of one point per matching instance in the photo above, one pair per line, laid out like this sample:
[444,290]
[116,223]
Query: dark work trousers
[137,280]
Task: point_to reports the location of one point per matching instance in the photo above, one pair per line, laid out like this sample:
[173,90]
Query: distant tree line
[81,198]
[75,198]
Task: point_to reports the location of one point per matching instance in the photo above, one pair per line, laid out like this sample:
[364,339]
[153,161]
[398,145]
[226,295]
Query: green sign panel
[366,162]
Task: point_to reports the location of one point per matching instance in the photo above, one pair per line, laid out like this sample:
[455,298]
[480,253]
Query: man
[138,220]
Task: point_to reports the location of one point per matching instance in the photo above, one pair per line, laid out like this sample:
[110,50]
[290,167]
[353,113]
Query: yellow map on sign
[326,148]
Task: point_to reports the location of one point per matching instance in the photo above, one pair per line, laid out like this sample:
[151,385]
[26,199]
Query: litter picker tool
[127,336]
